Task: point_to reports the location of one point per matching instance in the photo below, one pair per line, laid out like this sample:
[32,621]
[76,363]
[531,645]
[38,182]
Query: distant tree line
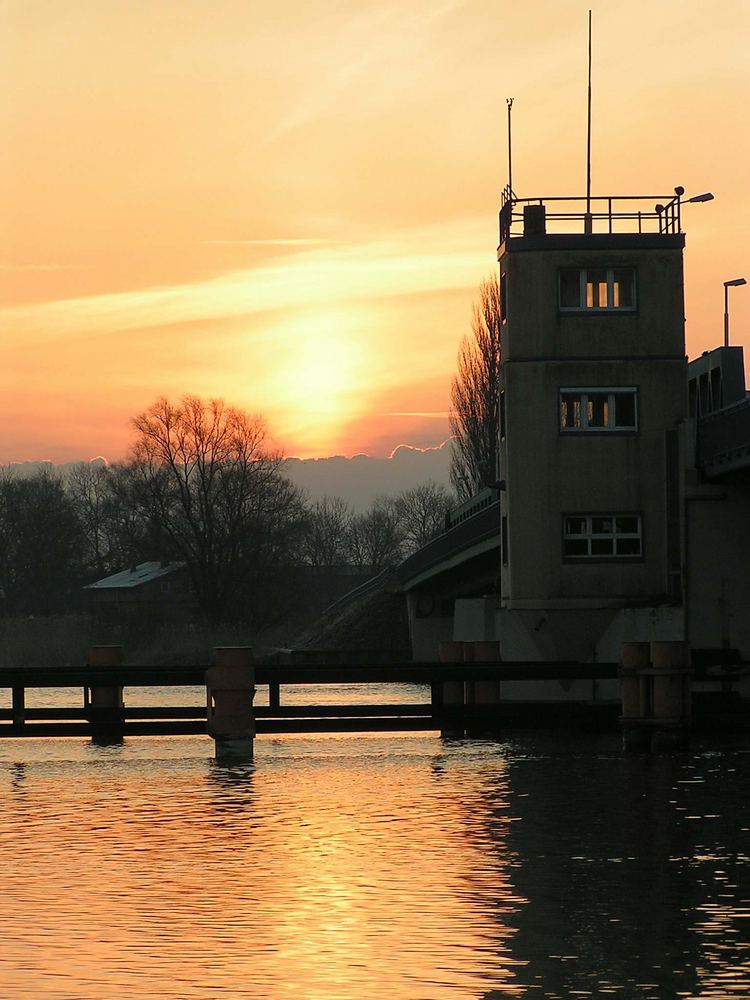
[200,485]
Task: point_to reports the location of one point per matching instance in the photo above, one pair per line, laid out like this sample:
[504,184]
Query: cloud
[426,259]
[304,242]
[428,414]
[45,267]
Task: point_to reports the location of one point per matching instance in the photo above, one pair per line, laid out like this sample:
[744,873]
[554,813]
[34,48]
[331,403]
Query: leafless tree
[88,485]
[421,513]
[218,495]
[324,539]
[40,544]
[475,391]
[375,538]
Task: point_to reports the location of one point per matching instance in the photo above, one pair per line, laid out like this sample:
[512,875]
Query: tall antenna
[509,102]
[588,146]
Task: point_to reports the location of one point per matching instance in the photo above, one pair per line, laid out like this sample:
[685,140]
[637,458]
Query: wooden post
[104,703]
[274,694]
[18,706]
[230,689]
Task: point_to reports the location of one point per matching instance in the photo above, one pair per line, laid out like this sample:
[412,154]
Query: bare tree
[375,538]
[475,393]
[40,544]
[218,495]
[421,512]
[324,539]
[88,485]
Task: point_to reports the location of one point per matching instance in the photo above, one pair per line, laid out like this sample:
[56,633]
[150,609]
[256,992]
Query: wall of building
[718,567]
[549,473]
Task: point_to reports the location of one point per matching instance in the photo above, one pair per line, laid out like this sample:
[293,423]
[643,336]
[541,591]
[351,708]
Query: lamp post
[727,285]
[669,214]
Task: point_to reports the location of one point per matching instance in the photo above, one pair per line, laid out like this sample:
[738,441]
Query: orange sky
[290,205]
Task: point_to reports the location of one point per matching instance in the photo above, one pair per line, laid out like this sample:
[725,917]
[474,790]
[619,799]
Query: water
[353,867]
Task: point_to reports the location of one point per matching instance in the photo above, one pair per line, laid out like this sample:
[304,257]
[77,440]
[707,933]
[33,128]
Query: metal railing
[608,214]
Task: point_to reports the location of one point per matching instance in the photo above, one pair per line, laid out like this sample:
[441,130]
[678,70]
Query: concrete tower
[593,388]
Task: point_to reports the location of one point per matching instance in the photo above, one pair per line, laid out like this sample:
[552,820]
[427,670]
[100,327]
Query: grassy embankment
[64,640]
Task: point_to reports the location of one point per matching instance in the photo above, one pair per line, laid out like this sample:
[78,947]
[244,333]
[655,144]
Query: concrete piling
[450,695]
[656,695]
[104,703]
[230,689]
[483,694]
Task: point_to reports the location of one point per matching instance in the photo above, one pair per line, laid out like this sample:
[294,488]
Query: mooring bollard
[230,689]
[104,703]
[449,695]
[484,695]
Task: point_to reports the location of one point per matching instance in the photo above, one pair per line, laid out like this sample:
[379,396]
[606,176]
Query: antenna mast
[509,102]
[588,224]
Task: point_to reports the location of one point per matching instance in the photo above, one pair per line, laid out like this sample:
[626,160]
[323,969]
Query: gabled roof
[144,572]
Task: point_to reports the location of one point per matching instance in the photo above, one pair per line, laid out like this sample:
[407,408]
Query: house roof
[136,576]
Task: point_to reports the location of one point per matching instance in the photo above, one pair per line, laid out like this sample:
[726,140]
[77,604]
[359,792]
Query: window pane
[567,411]
[575,525]
[575,547]
[602,546]
[598,410]
[596,289]
[570,288]
[624,409]
[601,526]
[623,284]
[628,546]
[627,525]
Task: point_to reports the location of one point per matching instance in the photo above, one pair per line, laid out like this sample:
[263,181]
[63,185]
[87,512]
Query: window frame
[590,536]
[610,310]
[611,391]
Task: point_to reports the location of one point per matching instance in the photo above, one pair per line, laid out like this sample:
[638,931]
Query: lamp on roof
[727,285]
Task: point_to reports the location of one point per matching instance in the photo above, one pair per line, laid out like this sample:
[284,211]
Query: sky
[290,205]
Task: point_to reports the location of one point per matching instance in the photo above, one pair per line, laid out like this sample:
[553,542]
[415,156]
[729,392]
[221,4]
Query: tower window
[597,289]
[602,536]
[600,409]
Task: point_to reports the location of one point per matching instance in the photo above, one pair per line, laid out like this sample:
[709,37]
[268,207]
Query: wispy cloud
[429,259]
[430,414]
[45,267]
[382,37]
[306,242]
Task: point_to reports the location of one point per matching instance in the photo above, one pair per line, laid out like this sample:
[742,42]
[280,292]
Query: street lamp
[727,285]
[669,214]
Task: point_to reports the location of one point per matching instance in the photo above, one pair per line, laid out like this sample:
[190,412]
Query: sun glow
[321,372]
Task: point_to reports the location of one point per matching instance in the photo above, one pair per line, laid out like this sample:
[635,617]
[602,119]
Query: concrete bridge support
[230,689]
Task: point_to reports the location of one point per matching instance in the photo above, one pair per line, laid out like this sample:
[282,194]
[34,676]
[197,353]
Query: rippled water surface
[358,867]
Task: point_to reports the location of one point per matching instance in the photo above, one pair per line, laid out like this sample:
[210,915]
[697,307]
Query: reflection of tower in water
[609,852]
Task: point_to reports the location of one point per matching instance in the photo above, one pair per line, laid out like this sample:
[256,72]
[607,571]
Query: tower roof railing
[600,214]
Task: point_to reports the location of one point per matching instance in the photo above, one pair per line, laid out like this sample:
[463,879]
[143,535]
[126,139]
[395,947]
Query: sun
[322,376]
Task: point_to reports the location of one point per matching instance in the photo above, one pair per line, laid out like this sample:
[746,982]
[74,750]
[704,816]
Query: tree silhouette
[217,494]
[475,394]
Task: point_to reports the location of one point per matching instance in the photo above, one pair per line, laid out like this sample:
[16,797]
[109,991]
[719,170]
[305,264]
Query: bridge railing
[723,438]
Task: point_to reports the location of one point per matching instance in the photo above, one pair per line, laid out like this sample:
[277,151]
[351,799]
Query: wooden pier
[443,712]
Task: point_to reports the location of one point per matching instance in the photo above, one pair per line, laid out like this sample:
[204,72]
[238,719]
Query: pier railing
[120,719]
